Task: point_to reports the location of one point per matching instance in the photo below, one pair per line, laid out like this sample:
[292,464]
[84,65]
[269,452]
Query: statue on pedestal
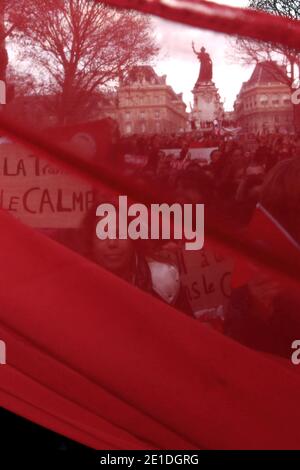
[207,105]
[206,70]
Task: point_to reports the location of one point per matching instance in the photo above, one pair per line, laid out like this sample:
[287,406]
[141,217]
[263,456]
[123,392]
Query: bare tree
[251,52]
[79,47]
[289,8]
[15,15]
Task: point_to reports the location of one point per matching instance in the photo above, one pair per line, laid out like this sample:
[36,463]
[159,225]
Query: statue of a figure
[206,70]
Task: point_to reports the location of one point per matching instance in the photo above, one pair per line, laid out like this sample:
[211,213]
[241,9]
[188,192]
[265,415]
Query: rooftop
[268,72]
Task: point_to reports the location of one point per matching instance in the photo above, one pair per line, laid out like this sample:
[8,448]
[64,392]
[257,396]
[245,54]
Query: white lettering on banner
[39,193]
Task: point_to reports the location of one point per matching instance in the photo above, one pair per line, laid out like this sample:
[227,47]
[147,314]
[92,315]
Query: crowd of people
[231,176]
[239,172]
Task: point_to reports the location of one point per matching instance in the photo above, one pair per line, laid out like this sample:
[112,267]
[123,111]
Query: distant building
[31,110]
[147,105]
[39,111]
[229,119]
[264,101]
[106,106]
[142,104]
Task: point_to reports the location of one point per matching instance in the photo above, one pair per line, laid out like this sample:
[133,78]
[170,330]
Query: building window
[157,114]
[264,100]
[142,114]
[127,115]
[128,128]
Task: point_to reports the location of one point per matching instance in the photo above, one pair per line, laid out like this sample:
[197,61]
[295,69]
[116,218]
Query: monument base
[207,104]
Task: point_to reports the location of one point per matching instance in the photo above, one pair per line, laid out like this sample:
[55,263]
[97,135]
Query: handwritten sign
[206,278]
[38,193]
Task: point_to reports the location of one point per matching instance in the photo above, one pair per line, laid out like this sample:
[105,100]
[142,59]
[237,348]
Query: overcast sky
[182,67]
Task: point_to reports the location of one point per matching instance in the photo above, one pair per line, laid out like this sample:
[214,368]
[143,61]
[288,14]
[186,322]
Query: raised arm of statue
[193,46]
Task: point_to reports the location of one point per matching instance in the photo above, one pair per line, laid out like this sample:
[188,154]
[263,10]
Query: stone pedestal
[207,104]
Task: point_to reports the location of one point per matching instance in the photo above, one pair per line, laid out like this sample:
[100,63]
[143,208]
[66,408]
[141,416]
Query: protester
[264,314]
[236,173]
[135,262]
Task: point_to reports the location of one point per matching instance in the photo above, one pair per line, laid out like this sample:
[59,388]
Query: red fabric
[222,18]
[110,366]
[95,359]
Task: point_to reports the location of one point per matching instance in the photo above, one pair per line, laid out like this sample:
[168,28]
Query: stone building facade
[264,101]
[143,103]
[148,105]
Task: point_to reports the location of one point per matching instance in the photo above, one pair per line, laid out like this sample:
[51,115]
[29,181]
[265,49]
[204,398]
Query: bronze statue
[206,70]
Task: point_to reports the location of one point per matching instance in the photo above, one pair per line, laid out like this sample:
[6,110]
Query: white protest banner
[136,161]
[38,193]
[201,153]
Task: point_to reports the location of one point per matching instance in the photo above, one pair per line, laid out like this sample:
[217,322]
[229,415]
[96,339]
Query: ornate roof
[143,74]
[267,72]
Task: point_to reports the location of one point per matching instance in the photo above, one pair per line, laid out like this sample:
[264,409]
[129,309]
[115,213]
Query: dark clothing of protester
[274,336]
